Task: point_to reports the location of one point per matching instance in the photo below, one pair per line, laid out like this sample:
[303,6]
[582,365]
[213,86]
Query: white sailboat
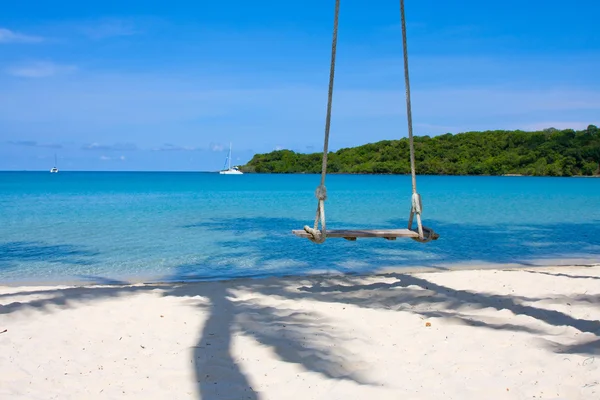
[54,170]
[230,170]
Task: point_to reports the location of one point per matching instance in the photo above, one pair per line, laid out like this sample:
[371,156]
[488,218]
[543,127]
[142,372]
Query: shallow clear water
[107,227]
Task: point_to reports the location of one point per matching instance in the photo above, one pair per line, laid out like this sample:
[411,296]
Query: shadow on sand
[308,339]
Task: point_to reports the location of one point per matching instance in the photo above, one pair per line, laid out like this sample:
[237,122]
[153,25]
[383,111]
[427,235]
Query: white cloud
[109,28]
[40,70]
[173,147]
[114,147]
[33,143]
[104,158]
[278,147]
[122,158]
[216,147]
[8,36]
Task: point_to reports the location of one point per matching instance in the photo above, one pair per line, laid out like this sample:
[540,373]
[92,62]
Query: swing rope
[417,205]
[319,236]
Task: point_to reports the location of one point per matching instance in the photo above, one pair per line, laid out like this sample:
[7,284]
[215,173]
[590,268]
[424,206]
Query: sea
[117,227]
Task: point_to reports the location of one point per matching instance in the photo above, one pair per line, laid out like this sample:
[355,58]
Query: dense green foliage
[551,152]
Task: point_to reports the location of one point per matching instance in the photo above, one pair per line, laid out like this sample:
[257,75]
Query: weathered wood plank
[352,234]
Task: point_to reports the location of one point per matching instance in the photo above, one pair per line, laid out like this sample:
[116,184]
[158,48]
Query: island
[550,152]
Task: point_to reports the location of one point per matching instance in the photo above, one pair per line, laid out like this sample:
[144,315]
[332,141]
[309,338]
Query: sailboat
[54,170]
[230,170]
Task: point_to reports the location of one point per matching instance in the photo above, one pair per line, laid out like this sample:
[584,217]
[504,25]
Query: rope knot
[321,193]
[417,205]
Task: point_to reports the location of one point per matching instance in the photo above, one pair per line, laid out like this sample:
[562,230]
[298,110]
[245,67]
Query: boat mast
[229,158]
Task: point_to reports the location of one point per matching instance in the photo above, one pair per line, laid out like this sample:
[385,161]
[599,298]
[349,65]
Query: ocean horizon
[115,227]
[216,171]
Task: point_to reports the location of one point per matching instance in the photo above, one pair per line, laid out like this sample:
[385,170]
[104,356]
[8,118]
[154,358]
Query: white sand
[494,334]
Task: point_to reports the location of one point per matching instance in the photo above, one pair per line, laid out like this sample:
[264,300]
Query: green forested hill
[551,152]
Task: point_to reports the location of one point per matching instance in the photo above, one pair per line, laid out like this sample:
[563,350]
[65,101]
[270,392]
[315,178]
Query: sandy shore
[471,334]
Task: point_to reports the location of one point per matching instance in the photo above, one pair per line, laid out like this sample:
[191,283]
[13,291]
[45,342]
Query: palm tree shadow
[426,298]
[217,374]
[306,339]
[507,244]
[564,275]
[587,347]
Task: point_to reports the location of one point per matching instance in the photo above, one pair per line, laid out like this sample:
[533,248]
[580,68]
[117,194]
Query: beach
[494,333]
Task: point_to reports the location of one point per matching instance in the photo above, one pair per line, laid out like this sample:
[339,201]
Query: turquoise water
[110,227]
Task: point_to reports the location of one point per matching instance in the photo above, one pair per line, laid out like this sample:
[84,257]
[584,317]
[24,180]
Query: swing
[422,234]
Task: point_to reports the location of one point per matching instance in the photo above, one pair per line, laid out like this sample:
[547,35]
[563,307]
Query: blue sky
[115,85]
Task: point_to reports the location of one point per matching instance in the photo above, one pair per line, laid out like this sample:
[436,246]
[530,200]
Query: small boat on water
[54,169]
[230,170]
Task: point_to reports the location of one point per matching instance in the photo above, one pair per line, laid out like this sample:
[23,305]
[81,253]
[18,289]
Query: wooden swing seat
[353,234]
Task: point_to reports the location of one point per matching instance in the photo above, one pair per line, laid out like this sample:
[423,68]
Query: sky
[139,85]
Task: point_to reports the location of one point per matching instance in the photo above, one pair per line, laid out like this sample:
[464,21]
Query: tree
[548,152]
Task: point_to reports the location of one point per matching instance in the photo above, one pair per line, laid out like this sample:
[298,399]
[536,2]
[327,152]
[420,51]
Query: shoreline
[73,283]
[408,174]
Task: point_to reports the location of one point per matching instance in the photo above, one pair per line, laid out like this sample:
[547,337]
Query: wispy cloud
[113,147]
[40,70]
[187,111]
[173,147]
[33,143]
[8,36]
[216,147]
[108,158]
[109,28]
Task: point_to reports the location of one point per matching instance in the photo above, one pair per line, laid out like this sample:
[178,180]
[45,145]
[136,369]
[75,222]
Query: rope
[319,236]
[408,106]
[417,205]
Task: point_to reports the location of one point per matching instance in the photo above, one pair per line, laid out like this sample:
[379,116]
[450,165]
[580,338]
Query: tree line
[551,152]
